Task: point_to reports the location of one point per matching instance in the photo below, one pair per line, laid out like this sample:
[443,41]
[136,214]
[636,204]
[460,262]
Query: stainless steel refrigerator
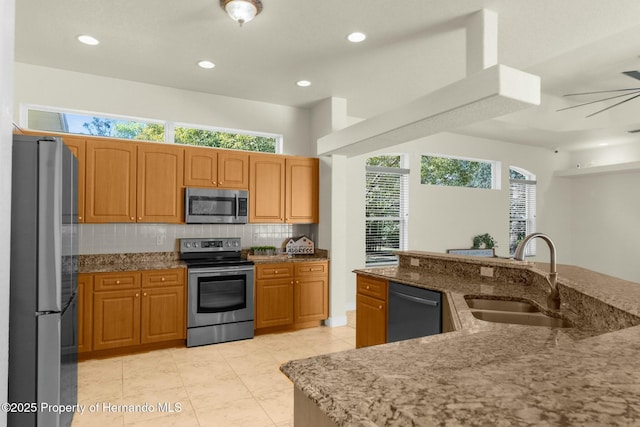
[43,302]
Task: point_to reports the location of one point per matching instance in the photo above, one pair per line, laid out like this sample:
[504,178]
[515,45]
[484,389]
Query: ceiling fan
[628,93]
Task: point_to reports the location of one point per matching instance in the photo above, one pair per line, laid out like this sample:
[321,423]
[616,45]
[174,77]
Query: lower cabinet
[85,312]
[371,311]
[133,309]
[291,295]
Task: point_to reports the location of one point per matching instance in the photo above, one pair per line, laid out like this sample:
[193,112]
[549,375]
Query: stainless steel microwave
[212,206]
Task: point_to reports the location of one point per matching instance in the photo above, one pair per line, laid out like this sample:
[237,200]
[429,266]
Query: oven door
[220,295]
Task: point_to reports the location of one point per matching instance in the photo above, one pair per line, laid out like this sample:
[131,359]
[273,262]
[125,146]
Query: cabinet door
[160,183]
[116,321]
[200,167]
[371,321]
[110,181]
[78,148]
[163,314]
[311,299]
[274,302]
[302,190]
[85,312]
[266,188]
[233,170]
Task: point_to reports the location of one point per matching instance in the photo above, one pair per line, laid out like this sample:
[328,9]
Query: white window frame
[530,206]
[403,217]
[496,169]
[277,137]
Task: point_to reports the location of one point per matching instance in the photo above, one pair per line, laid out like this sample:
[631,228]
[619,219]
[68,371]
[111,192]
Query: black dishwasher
[413,312]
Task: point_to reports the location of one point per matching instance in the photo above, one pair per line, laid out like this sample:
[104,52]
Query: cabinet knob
[80,218]
[276,272]
[368,287]
[379,307]
[213,182]
[117,282]
[137,295]
[139,218]
[220,183]
[144,294]
[132,219]
[297,282]
[162,279]
[292,282]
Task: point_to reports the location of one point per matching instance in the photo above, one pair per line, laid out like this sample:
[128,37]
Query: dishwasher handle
[415,299]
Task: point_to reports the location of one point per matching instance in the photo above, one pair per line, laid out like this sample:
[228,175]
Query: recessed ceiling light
[303,83]
[86,39]
[356,37]
[206,64]
[603,144]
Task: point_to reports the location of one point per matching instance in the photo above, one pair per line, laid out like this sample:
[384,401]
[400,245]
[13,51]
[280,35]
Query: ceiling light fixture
[242,11]
[86,39]
[303,83]
[206,64]
[356,37]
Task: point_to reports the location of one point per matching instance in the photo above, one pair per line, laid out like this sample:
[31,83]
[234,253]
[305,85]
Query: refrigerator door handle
[49,224]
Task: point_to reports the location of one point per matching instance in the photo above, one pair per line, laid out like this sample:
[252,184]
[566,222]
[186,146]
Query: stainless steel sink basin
[494,304]
[530,319]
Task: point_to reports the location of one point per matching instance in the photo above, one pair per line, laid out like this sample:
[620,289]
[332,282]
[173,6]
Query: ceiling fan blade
[600,100]
[634,74]
[603,91]
[614,105]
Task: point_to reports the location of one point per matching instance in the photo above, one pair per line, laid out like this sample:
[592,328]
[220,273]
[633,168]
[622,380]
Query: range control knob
[187,244]
[236,244]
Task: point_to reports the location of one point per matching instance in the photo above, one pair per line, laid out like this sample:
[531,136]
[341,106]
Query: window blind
[522,213]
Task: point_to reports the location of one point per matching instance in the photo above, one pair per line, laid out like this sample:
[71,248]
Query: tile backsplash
[133,238]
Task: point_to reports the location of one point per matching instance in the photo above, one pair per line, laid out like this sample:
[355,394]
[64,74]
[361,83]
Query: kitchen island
[487,373]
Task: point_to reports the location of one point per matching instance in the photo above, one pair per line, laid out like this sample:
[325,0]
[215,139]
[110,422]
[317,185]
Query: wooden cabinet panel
[116,281]
[163,314]
[200,167]
[77,146]
[311,268]
[85,312]
[274,302]
[375,288]
[311,299]
[371,321]
[170,277]
[160,181]
[266,188]
[116,320]
[302,190]
[110,181]
[233,169]
[272,271]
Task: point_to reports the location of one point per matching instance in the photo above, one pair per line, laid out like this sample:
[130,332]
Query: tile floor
[227,384]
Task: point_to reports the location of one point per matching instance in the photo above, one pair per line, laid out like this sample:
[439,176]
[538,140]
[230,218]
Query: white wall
[7,8]
[58,88]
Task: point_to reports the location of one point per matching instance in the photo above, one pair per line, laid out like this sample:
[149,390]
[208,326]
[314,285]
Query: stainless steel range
[219,290]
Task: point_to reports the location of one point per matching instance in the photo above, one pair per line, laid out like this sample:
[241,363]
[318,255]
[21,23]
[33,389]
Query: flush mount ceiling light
[206,64]
[86,39]
[303,83]
[356,37]
[242,11]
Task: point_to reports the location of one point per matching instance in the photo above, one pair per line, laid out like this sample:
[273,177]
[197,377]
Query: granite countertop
[489,373]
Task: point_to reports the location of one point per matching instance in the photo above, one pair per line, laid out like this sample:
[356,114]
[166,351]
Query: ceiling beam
[486,94]
[482,41]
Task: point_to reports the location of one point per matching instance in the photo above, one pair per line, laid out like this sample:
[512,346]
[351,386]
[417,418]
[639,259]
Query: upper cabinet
[283,189]
[133,182]
[78,148]
[211,168]
[302,190]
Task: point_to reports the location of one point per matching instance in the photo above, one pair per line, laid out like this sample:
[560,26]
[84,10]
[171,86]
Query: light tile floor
[228,384]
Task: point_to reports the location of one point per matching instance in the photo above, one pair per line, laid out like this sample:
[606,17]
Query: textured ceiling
[414,47]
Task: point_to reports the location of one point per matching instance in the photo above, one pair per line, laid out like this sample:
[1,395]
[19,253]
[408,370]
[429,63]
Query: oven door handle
[221,270]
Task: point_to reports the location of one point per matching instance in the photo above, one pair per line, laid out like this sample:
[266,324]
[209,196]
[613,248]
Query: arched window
[522,208]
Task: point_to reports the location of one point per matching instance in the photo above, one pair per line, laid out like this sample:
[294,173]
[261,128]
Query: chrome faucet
[553,299]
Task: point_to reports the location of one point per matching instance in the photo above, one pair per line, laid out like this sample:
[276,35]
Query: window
[98,125]
[522,208]
[57,120]
[458,172]
[386,208]
[191,135]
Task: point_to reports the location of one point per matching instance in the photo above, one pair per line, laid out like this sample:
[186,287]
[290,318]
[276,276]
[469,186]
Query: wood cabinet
[302,190]
[133,182]
[131,309]
[371,311]
[78,148]
[283,189]
[211,168]
[291,295]
[266,188]
[85,312]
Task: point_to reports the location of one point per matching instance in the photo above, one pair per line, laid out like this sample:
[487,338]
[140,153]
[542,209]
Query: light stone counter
[488,373]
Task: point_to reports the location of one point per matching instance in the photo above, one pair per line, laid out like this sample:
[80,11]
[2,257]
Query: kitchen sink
[494,304]
[514,312]
[530,319]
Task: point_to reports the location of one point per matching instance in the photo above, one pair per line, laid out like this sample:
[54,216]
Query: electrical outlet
[486,271]
[415,262]
[160,239]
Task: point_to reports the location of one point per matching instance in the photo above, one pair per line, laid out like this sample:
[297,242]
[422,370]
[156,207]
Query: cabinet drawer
[376,288]
[116,281]
[310,268]
[155,278]
[272,271]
